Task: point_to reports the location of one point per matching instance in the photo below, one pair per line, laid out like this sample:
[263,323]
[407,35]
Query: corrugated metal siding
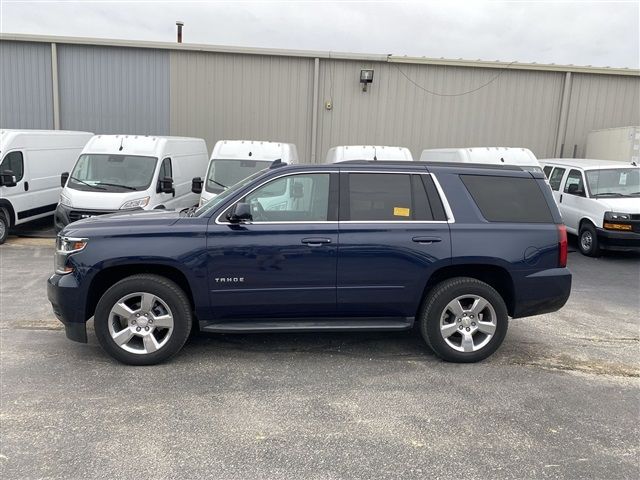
[517,109]
[226,96]
[25,85]
[114,90]
[599,101]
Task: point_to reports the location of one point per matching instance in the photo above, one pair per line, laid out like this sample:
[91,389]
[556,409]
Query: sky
[600,33]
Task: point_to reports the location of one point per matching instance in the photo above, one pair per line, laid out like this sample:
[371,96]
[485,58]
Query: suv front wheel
[143,319]
[463,320]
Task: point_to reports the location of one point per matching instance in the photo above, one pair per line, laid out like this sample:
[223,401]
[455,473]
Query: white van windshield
[112,173]
[224,173]
[218,199]
[615,182]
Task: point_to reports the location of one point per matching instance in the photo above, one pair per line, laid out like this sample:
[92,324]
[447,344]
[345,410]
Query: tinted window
[547,170]
[304,198]
[13,161]
[165,169]
[556,178]
[508,199]
[387,197]
[574,184]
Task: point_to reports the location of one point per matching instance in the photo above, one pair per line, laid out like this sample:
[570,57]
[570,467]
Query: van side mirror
[63,179]
[165,185]
[196,185]
[575,189]
[7,179]
[241,213]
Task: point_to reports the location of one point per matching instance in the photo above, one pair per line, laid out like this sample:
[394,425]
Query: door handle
[560,199]
[316,242]
[426,240]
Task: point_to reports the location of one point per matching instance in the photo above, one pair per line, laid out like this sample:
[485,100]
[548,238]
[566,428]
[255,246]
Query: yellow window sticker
[401,212]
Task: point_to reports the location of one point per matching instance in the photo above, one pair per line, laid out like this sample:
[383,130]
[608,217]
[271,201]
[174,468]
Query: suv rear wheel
[463,320]
[143,319]
[588,241]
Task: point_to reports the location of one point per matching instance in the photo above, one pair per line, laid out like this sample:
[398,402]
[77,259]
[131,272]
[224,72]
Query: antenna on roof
[277,164]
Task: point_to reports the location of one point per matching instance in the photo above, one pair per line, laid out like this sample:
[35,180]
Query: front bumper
[542,292]
[614,240]
[63,293]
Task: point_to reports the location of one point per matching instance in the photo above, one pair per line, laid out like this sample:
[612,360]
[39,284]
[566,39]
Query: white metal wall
[25,85]
[227,96]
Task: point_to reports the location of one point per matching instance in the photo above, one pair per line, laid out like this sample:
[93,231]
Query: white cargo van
[30,167]
[599,201]
[522,157]
[345,153]
[234,160]
[131,172]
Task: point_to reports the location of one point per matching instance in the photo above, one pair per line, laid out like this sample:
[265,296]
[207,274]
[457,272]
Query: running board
[309,325]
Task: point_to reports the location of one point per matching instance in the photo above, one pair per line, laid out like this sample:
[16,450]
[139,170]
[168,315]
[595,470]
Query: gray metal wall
[226,96]
[203,92]
[599,101]
[25,85]
[518,108]
[114,90]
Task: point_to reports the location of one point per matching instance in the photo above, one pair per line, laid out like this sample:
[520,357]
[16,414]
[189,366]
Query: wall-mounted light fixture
[366,77]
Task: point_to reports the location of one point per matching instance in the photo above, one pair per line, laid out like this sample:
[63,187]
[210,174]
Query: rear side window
[508,199]
[547,170]
[390,197]
[13,161]
[556,178]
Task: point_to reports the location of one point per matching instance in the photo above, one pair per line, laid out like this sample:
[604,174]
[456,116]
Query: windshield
[618,182]
[224,173]
[217,200]
[112,173]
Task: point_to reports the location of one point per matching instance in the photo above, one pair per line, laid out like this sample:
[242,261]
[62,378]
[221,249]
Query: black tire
[4,227]
[588,240]
[164,289]
[433,309]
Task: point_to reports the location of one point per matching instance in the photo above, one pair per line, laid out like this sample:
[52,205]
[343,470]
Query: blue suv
[453,249]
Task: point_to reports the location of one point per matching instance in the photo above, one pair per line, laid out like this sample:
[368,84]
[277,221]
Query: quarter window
[574,184]
[13,161]
[547,170]
[301,198]
[556,178]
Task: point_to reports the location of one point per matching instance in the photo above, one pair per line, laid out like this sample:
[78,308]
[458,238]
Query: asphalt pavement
[560,399]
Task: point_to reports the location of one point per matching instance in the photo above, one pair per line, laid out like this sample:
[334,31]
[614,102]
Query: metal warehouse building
[312,99]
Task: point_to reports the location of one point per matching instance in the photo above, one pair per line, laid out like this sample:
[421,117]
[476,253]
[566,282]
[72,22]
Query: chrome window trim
[443,199]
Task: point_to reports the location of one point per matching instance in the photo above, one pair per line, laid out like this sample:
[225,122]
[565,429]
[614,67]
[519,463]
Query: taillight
[562,246]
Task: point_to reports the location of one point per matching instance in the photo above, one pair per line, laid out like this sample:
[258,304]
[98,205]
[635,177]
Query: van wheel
[4,227]
[463,320]
[143,319]
[588,241]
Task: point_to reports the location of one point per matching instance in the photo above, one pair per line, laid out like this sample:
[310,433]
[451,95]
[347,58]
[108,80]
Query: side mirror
[7,179]
[165,185]
[63,179]
[196,185]
[241,213]
[574,189]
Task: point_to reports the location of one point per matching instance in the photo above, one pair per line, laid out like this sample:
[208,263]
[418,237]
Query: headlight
[137,203]
[66,201]
[66,246]
[617,216]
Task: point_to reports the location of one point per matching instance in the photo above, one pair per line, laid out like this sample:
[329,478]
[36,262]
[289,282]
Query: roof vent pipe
[179,24]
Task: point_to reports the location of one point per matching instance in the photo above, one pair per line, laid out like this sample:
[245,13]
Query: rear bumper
[64,295]
[612,240]
[542,292]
